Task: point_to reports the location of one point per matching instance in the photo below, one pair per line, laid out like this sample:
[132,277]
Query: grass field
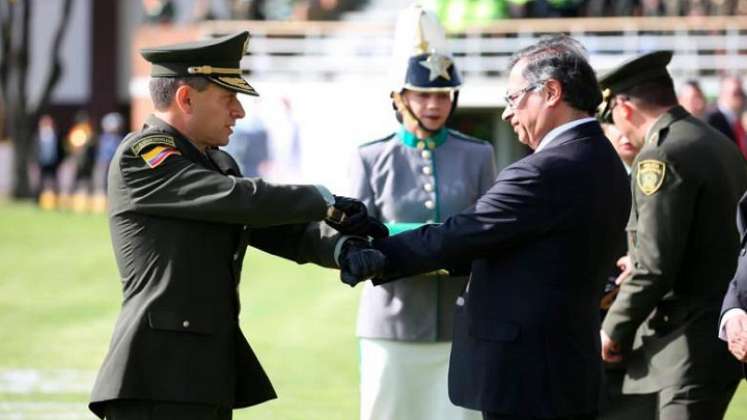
[59,296]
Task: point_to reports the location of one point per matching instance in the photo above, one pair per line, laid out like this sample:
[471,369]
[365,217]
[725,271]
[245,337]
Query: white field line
[43,410]
[50,382]
[57,381]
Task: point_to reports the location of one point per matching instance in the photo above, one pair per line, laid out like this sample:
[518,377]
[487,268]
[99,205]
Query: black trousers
[159,410]
[495,416]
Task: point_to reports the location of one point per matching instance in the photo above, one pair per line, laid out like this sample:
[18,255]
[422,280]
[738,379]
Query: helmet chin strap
[409,119]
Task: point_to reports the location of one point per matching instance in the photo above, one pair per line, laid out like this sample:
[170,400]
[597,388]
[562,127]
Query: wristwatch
[333,213]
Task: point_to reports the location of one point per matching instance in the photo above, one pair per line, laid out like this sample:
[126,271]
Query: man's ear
[553,92]
[183,98]
[626,108]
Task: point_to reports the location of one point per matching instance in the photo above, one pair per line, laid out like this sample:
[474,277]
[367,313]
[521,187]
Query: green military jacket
[686,183]
[180,222]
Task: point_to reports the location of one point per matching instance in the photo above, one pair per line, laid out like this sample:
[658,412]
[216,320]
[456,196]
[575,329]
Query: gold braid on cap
[207,69]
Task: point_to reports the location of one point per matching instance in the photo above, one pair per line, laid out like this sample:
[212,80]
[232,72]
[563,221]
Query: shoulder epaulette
[462,136]
[377,141]
[139,145]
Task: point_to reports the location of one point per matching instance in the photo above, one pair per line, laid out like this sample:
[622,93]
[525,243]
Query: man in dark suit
[538,244]
[733,323]
[686,181]
[726,116]
[181,216]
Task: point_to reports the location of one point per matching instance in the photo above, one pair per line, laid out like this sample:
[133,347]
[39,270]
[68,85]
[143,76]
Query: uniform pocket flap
[494,330]
[181,322]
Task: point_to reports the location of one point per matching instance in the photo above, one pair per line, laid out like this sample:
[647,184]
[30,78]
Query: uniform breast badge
[650,175]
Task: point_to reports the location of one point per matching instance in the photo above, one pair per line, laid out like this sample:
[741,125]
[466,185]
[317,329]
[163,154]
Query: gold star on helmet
[438,66]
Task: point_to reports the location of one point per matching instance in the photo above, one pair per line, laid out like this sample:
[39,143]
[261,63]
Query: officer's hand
[610,349]
[350,217]
[738,346]
[359,262]
[736,334]
[625,264]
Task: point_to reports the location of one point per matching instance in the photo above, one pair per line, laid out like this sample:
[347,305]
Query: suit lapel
[742,217]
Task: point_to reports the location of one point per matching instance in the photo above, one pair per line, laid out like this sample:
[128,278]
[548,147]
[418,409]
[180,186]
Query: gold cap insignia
[650,175]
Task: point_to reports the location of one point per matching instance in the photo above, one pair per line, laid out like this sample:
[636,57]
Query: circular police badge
[650,175]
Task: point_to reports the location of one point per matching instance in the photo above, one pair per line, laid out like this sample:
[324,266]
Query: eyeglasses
[513,99]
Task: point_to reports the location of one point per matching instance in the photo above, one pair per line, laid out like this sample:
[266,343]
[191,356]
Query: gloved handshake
[358,260]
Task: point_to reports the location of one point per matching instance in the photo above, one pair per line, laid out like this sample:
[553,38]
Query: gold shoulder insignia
[139,146]
[650,175]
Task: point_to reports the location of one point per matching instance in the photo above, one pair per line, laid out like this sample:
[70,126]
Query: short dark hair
[163,89]
[562,58]
[657,92]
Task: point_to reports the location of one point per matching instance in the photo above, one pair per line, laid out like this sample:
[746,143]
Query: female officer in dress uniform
[423,173]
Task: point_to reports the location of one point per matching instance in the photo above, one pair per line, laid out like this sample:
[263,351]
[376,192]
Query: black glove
[350,217]
[359,262]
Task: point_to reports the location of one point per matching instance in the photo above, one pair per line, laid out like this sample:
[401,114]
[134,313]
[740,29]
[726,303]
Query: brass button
[426,154]
[429,204]
[428,187]
[185,324]
[427,170]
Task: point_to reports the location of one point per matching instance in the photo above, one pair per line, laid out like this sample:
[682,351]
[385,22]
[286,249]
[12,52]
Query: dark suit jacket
[540,241]
[736,295]
[179,231]
[717,120]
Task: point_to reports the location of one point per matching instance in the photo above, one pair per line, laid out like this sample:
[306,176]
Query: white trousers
[407,381]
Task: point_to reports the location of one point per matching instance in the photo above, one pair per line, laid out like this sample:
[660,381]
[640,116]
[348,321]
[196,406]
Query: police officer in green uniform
[181,217]
[683,245]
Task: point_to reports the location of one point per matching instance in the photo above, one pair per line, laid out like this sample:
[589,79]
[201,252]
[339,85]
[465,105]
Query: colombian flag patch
[158,154]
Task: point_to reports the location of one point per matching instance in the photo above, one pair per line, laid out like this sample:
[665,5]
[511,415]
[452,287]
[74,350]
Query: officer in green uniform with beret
[181,217]
[683,246]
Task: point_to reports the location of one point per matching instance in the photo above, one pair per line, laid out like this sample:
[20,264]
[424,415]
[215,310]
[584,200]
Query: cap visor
[236,84]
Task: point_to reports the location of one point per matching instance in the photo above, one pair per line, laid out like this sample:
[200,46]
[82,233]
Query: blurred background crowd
[85,85]
[469,11]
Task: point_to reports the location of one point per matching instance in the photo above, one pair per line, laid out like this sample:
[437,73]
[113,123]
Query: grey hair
[163,89]
[563,59]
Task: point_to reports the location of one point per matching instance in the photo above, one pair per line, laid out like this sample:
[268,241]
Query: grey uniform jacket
[404,184]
